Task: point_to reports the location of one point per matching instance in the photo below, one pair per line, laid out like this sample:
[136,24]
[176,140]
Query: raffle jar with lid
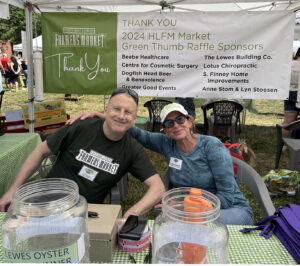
[189,229]
[46,224]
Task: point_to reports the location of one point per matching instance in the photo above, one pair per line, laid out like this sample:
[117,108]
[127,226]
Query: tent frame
[28,17]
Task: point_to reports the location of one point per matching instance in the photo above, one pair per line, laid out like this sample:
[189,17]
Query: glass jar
[46,224]
[189,229]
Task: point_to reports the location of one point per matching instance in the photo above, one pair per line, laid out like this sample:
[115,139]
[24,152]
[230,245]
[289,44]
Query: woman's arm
[220,163]
[18,70]
[85,115]
[153,141]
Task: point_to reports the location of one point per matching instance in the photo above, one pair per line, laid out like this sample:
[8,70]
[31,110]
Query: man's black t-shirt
[94,162]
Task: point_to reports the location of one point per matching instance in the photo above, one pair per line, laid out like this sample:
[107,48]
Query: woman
[14,70]
[195,160]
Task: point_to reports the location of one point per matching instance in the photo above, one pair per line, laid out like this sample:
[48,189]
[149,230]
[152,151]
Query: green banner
[79,52]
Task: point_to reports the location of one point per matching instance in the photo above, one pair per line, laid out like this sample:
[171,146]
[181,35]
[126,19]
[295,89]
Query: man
[1,71]
[96,154]
[4,62]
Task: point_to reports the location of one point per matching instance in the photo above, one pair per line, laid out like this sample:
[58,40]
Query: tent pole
[28,15]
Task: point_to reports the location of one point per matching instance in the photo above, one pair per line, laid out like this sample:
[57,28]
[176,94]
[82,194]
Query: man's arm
[152,197]
[27,169]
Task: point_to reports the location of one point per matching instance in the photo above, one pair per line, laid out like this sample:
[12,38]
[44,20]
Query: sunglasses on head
[132,93]
[179,120]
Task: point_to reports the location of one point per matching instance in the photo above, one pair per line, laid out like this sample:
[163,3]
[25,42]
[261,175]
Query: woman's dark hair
[297,54]
[15,63]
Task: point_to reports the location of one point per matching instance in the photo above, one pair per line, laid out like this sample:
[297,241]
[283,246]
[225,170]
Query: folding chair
[154,108]
[248,176]
[224,114]
[293,144]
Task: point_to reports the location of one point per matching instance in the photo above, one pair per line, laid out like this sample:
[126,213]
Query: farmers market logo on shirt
[98,161]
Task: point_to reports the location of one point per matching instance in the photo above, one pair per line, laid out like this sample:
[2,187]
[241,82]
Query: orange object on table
[194,253]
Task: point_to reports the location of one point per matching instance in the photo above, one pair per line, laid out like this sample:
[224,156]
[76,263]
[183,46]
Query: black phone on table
[133,228]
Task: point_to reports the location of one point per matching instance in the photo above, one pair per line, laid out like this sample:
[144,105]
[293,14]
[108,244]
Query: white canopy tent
[36,45]
[136,6]
[151,5]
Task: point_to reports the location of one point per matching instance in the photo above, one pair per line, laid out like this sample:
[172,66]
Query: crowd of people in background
[13,70]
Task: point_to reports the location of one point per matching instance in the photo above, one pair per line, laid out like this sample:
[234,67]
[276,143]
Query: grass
[259,134]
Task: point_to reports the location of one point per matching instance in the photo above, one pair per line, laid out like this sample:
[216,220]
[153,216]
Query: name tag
[88,173]
[175,163]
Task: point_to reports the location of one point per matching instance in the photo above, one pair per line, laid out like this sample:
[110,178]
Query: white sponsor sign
[207,55]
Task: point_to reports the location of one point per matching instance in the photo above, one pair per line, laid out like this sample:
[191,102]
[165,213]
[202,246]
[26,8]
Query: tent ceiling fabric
[4,10]
[154,5]
[18,3]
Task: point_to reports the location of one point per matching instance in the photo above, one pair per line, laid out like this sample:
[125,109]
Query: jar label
[54,224]
[68,254]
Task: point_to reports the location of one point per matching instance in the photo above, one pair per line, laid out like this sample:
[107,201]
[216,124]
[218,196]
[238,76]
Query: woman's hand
[85,115]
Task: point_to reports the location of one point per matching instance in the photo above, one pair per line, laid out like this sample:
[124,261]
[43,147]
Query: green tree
[11,29]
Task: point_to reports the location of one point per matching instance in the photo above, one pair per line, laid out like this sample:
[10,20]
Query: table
[242,249]
[14,149]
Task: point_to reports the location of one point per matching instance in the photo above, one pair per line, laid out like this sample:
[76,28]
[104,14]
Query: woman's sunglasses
[179,120]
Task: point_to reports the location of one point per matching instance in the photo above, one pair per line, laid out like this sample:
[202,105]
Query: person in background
[188,104]
[25,71]
[194,160]
[291,111]
[5,62]
[96,154]
[14,71]
[21,71]
[1,71]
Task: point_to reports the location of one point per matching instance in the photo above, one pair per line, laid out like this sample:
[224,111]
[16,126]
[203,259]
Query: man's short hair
[130,92]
